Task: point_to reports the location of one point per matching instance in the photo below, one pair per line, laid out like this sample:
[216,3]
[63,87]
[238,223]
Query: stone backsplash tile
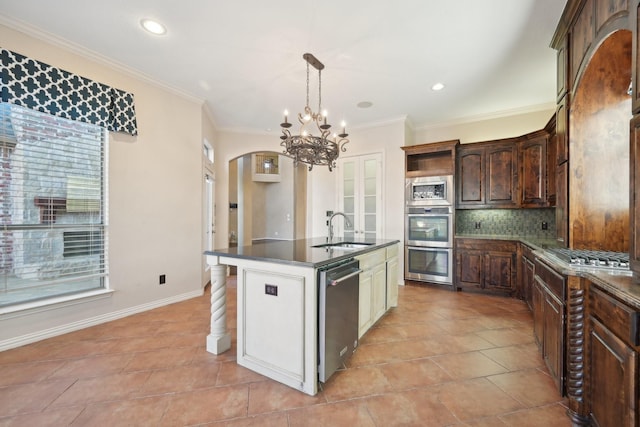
[516,222]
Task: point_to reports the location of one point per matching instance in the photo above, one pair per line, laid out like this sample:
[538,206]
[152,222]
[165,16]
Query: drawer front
[392,251]
[621,319]
[527,252]
[553,280]
[371,259]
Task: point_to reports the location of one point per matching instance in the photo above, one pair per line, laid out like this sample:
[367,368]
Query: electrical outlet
[329,213]
[545,226]
[478,225]
[271,289]
[163,279]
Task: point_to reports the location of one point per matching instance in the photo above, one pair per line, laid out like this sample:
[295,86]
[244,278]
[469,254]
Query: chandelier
[314,145]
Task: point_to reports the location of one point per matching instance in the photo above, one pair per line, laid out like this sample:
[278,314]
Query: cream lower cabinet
[277,322]
[373,289]
[392,276]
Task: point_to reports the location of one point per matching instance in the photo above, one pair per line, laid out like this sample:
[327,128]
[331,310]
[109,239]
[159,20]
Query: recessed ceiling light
[154,27]
[437,87]
[364,104]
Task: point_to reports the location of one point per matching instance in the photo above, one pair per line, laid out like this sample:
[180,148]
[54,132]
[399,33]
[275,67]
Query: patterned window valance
[41,87]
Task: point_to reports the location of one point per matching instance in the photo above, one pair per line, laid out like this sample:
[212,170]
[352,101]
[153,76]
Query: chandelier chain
[307,104]
[319,91]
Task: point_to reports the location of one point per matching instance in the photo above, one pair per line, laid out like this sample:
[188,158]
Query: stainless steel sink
[345,246]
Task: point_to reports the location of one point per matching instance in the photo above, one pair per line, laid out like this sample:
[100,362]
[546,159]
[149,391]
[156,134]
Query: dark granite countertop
[624,285]
[300,252]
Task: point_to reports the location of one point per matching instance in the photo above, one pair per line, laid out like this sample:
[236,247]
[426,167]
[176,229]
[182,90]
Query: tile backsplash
[517,222]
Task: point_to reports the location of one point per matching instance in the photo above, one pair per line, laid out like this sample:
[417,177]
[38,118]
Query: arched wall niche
[599,149]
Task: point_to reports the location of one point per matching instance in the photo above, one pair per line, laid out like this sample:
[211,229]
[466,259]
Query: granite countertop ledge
[536,242]
[300,252]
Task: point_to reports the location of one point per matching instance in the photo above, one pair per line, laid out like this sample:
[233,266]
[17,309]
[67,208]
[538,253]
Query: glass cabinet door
[349,196]
[359,193]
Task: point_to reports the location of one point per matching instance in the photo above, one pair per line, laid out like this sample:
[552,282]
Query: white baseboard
[93,321]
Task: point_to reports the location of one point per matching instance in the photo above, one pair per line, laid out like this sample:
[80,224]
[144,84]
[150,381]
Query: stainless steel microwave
[429,191]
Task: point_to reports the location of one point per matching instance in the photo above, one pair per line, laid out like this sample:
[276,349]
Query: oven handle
[428,214]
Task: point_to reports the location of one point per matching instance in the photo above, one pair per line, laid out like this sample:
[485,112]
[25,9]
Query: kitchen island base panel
[219,339]
[277,328]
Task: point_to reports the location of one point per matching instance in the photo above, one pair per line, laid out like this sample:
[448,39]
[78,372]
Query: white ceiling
[244,57]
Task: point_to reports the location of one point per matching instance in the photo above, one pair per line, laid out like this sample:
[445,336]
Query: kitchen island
[278,301]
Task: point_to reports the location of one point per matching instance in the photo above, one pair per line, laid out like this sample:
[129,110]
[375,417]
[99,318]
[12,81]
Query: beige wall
[486,129]
[155,201]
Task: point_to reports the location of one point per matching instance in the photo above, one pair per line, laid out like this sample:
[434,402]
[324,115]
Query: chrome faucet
[346,221]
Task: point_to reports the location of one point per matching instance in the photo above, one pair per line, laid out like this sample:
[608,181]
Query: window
[52,206]
[207,151]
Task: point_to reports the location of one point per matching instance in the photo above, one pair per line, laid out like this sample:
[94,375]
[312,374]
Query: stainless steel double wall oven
[429,229]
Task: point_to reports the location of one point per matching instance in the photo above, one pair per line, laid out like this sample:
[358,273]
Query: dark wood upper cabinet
[432,159]
[562,204]
[510,173]
[582,36]
[487,175]
[470,176]
[562,130]
[551,171]
[562,70]
[502,174]
[533,172]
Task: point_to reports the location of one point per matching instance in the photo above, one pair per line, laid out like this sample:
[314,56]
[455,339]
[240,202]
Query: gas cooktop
[593,259]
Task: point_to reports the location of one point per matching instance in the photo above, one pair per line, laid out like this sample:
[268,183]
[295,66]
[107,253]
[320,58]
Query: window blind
[52,206]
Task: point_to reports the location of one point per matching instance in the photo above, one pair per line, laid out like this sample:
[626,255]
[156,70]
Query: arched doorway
[267,198]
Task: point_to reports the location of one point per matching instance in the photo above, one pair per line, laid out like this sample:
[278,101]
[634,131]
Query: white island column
[219,339]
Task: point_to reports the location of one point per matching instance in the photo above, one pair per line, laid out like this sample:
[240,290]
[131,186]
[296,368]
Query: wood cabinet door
[469,269]
[562,131]
[379,289]
[634,201]
[551,171]
[562,204]
[364,307]
[533,160]
[499,272]
[502,175]
[553,341]
[392,282]
[471,176]
[527,281]
[634,19]
[562,75]
[613,385]
[537,301]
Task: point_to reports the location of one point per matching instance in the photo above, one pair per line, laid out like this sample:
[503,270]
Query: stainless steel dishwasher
[339,291]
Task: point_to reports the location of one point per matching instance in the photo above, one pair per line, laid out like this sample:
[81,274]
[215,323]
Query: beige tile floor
[440,359]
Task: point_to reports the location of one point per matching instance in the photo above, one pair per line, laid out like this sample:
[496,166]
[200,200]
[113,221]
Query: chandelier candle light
[322,149]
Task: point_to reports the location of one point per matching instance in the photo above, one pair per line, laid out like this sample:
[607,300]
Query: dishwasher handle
[343,278]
